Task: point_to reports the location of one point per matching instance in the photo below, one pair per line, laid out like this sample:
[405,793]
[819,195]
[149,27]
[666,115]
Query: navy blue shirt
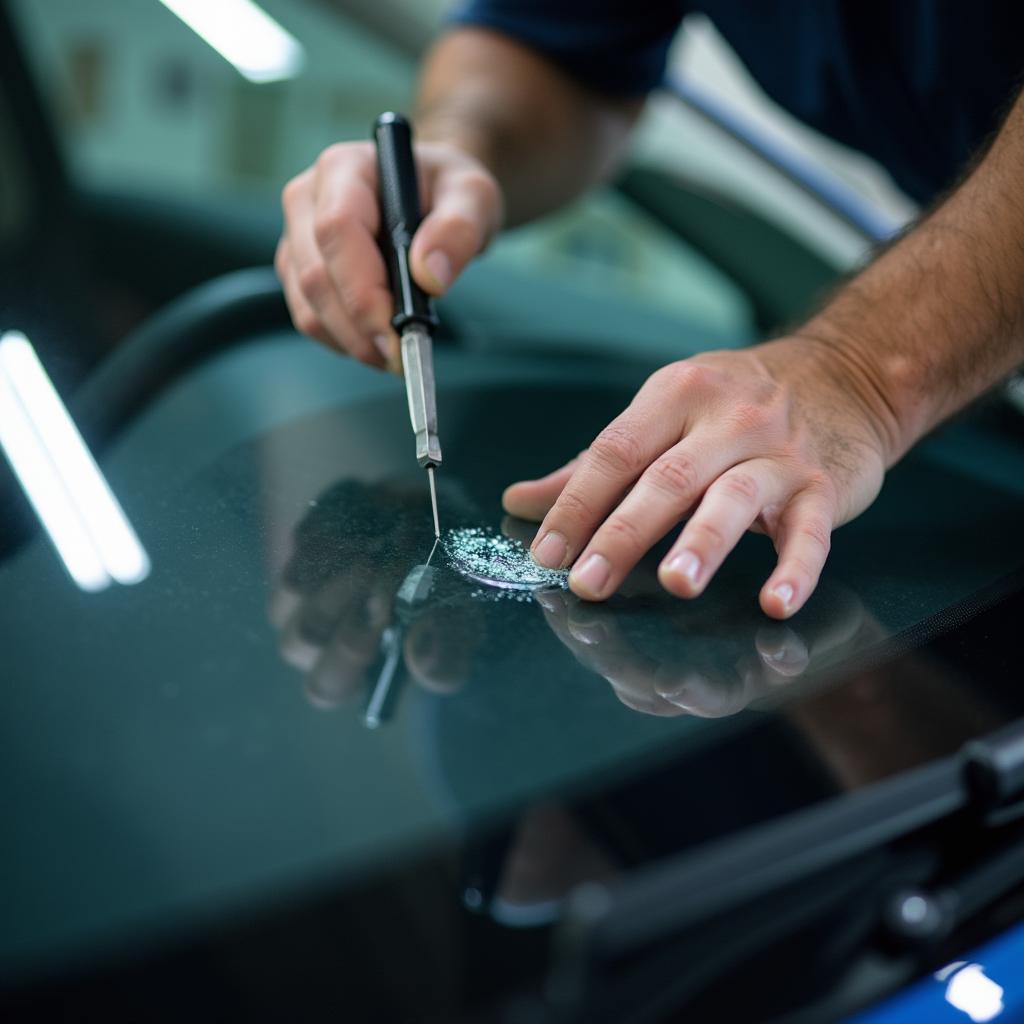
[917,84]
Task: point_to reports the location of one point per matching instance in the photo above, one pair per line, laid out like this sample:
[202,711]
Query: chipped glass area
[494,560]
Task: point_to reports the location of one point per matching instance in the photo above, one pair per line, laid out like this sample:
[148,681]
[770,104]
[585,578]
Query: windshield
[290,661]
[302,689]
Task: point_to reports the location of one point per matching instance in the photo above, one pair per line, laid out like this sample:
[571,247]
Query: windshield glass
[290,661]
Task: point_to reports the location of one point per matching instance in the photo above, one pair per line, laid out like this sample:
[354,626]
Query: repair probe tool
[409,600]
[414,318]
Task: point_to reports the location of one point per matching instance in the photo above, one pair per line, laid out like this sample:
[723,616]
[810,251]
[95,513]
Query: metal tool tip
[433,500]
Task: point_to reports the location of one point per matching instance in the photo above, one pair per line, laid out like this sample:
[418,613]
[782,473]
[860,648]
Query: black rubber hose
[205,321]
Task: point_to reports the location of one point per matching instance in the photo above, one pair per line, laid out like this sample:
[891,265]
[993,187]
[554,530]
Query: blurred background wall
[144,107]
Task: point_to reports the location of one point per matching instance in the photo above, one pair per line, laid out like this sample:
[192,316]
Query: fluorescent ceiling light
[74,502]
[244,35]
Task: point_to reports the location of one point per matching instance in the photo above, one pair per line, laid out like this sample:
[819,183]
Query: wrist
[871,387]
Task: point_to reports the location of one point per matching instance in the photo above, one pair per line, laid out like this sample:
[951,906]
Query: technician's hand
[333,274]
[782,438]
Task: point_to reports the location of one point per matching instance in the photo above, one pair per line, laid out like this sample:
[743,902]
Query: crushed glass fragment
[486,556]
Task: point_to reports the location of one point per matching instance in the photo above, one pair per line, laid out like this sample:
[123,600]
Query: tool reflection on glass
[414,317]
[411,597]
[348,582]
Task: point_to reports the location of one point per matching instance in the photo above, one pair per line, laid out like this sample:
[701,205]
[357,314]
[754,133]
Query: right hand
[334,276]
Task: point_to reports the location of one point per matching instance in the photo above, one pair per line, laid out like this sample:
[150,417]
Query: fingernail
[685,564]
[593,574]
[551,550]
[383,343]
[784,592]
[772,642]
[439,267]
[590,633]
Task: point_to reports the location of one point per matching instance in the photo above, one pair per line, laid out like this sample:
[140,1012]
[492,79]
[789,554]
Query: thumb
[531,499]
[464,216]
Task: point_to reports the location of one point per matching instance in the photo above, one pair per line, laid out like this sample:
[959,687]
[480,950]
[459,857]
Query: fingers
[738,496]
[803,539]
[723,433]
[346,220]
[726,512]
[316,304]
[531,499]
[334,276]
[304,317]
[666,491]
[654,421]
[465,211]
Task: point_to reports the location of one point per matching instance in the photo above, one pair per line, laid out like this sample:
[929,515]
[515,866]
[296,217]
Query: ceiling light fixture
[244,35]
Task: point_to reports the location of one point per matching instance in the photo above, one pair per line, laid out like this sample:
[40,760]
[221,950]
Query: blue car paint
[986,984]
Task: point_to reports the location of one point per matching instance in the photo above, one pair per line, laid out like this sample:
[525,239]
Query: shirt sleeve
[613,46]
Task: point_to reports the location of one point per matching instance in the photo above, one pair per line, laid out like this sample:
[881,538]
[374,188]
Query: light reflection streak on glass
[32,467]
[244,35]
[86,524]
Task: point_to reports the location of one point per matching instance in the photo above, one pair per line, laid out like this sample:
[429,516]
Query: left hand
[788,438]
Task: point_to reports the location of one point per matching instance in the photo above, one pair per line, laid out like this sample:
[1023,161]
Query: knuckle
[484,186]
[313,281]
[800,567]
[306,322]
[750,417]
[816,533]
[741,486]
[707,536]
[358,302]
[821,485]
[617,450]
[623,535]
[674,474]
[332,224]
[572,507]
[293,192]
[362,355]
[459,231]
[332,155]
[683,377]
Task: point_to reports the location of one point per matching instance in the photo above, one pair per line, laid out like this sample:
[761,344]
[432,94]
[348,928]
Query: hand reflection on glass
[337,608]
[659,686]
[683,682]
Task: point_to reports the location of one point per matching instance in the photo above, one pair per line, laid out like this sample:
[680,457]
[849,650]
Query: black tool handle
[400,217]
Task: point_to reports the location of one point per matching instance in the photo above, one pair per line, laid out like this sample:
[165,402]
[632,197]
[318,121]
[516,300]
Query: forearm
[938,318]
[544,137]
